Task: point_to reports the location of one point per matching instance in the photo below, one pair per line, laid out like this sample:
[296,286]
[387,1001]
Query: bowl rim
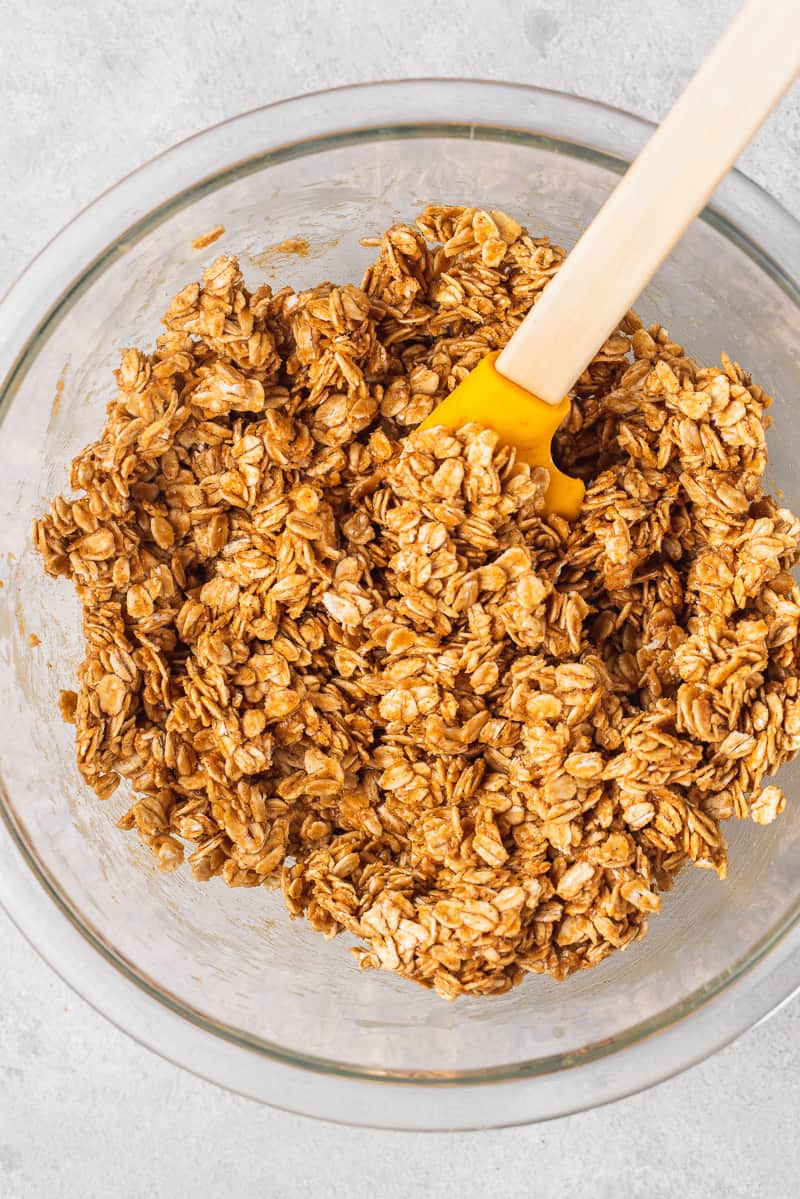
[688,1030]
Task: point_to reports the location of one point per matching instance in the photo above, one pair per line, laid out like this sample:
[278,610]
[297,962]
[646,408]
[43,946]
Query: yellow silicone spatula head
[520,391]
[520,419]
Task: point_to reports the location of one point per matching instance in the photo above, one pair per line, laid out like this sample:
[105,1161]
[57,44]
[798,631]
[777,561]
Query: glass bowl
[221,981]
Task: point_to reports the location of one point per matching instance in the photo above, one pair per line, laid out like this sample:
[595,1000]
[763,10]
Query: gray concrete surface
[87,91]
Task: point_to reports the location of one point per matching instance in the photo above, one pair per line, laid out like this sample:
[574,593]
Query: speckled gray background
[87,91]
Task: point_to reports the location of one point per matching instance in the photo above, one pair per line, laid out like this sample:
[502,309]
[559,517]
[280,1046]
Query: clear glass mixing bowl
[220,981]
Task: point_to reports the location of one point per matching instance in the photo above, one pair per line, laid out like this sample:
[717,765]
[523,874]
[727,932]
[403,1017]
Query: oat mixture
[338,656]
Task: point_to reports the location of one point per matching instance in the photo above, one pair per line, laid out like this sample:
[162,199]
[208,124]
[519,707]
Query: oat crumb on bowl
[294,245]
[208,239]
[341,656]
[68,706]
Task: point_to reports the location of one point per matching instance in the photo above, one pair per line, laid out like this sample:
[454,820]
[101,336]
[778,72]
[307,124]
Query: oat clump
[337,655]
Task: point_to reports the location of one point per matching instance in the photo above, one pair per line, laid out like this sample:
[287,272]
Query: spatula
[522,391]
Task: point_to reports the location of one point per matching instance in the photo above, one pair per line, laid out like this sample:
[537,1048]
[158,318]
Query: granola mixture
[335,655]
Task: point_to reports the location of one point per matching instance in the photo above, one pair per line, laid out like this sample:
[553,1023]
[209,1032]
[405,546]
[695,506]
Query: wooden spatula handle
[730,96]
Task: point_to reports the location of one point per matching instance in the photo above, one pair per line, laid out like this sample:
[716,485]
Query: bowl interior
[232,958]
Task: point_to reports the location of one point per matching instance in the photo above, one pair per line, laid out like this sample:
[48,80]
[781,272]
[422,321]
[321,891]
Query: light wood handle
[731,95]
